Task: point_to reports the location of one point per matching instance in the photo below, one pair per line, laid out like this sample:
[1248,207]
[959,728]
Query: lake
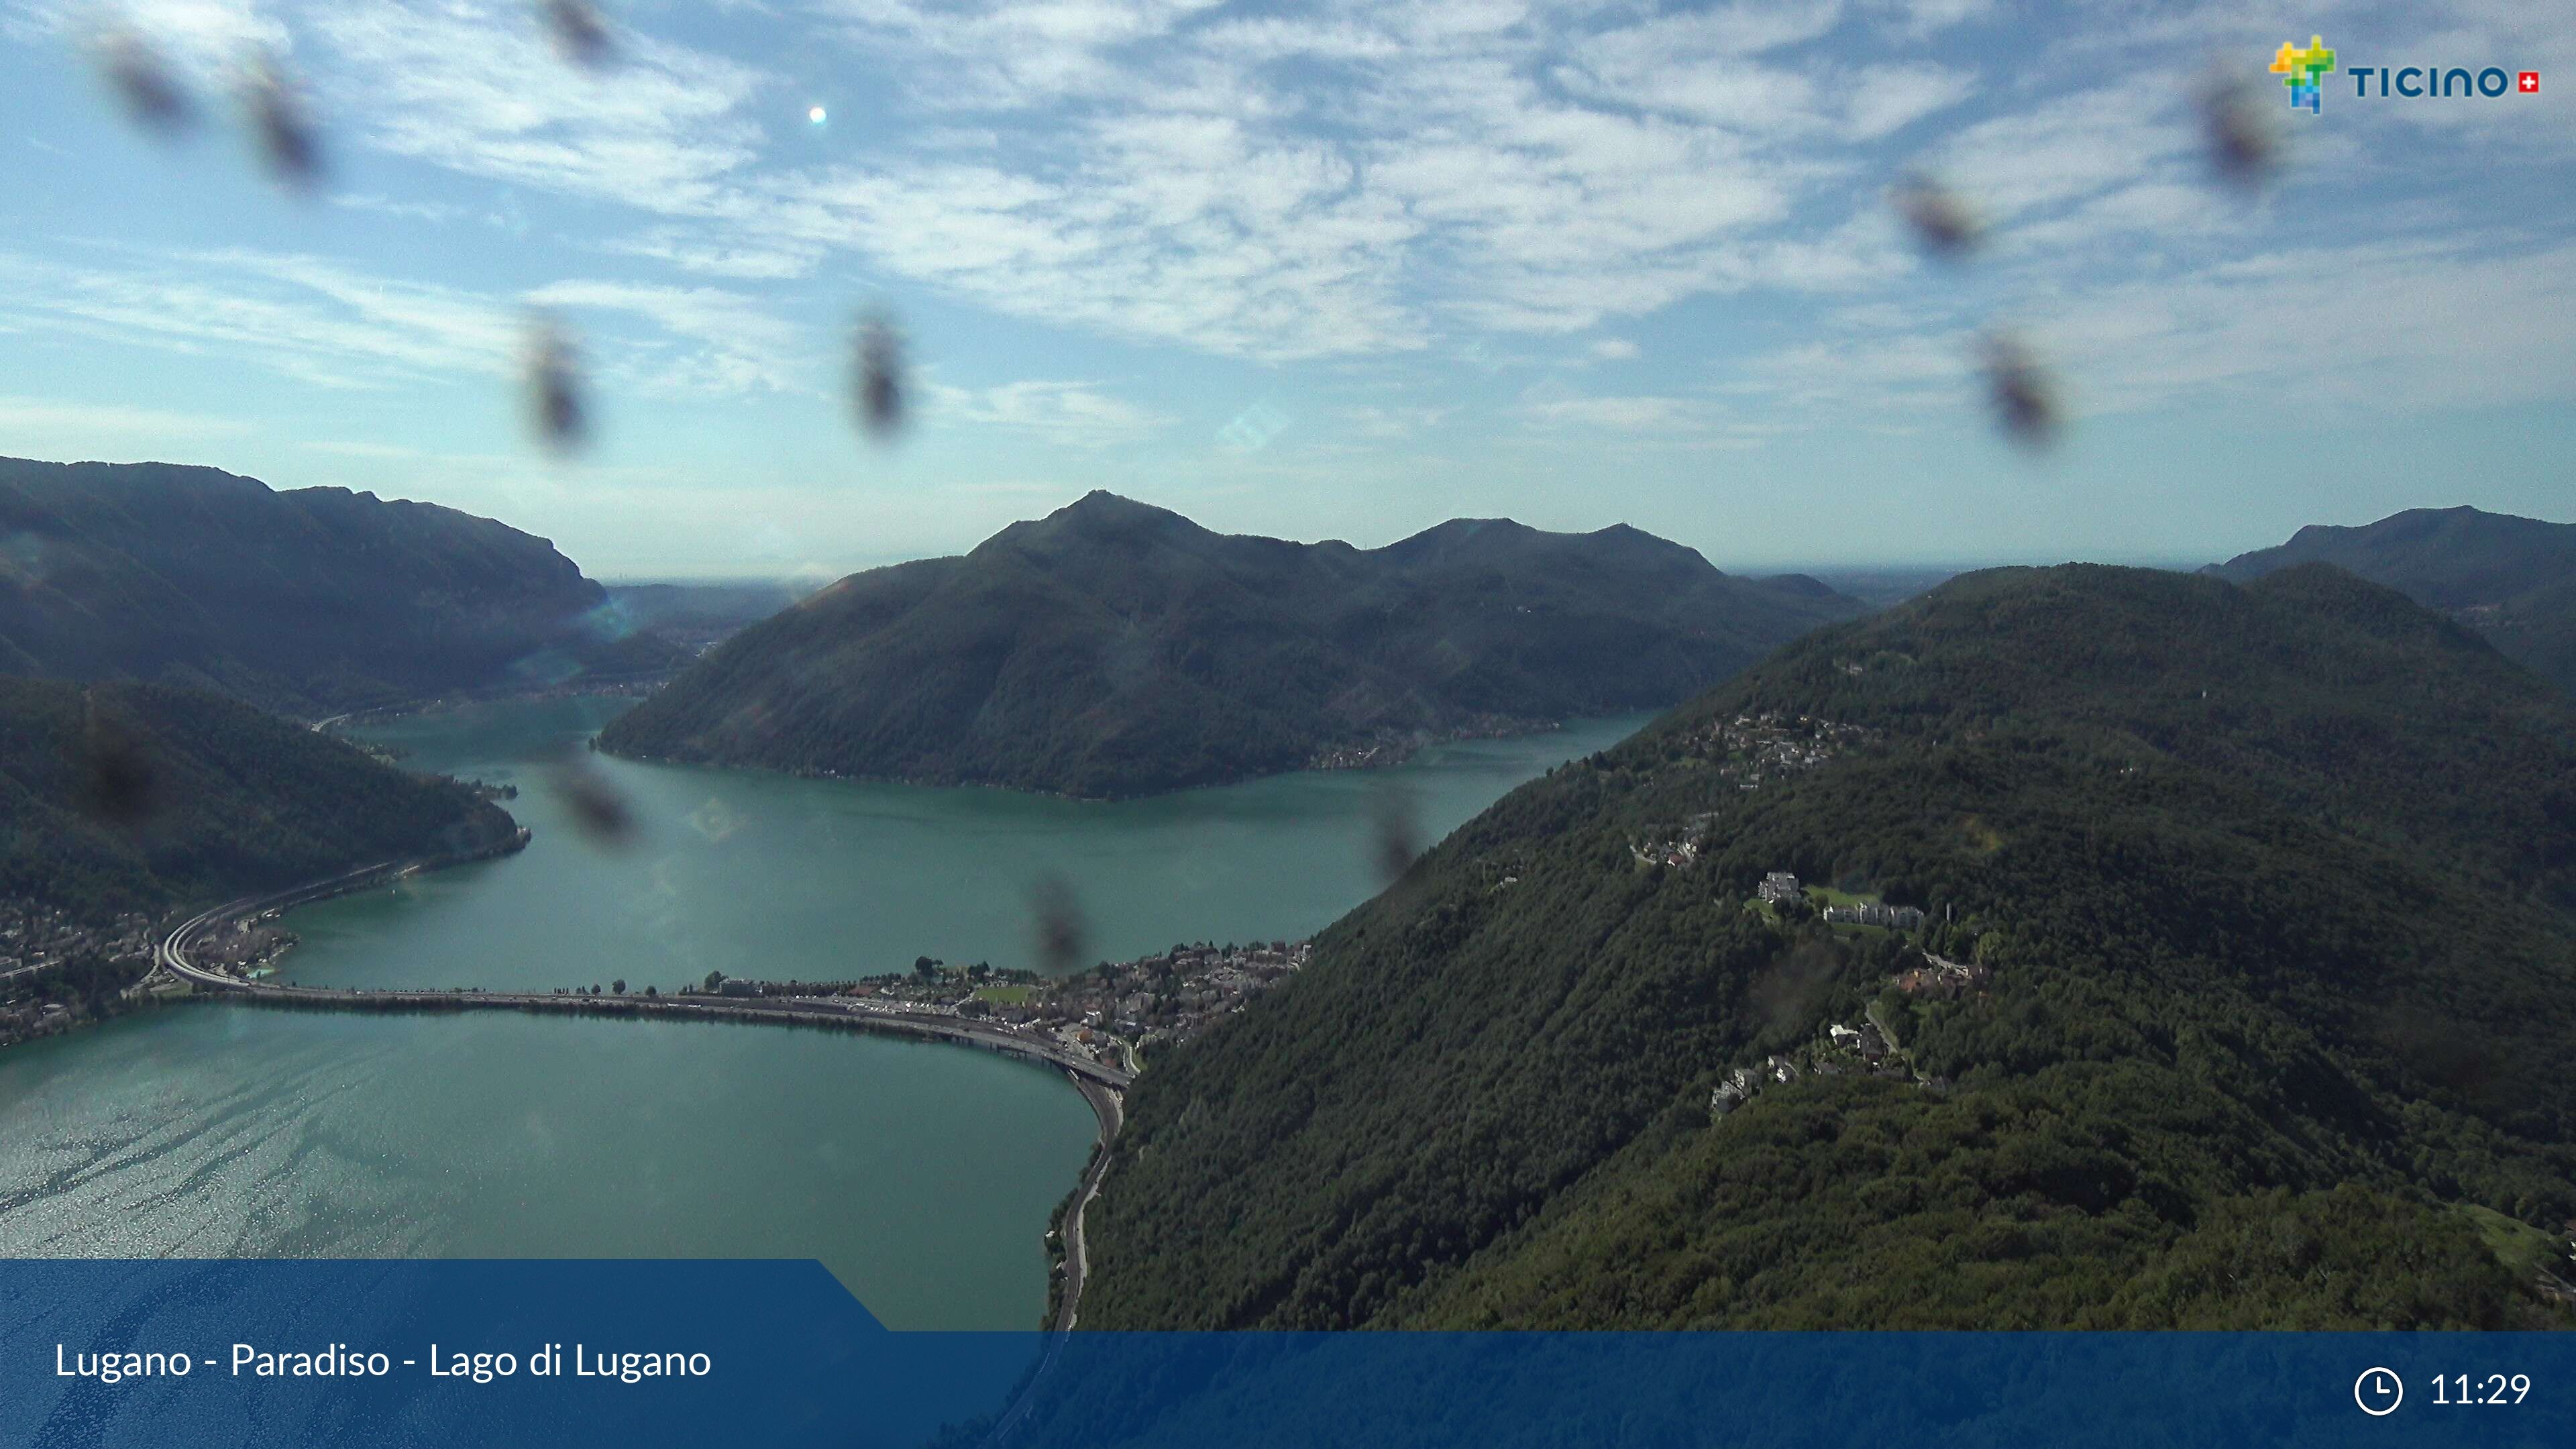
[921,1174]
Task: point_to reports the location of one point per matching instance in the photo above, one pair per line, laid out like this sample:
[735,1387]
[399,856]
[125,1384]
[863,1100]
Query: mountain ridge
[2264,904]
[125,796]
[1116,648]
[304,601]
[2512,579]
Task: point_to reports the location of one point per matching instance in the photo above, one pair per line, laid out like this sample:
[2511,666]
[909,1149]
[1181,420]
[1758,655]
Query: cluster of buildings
[1110,1011]
[33,937]
[36,940]
[1941,979]
[1875,913]
[1781,887]
[1853,1051]
[1677,846]
[1154,1000]
[1752,749]
[243,946]
[1385,746]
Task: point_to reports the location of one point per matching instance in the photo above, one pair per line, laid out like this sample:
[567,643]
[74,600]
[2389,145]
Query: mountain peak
[1100,503]
[1116,648]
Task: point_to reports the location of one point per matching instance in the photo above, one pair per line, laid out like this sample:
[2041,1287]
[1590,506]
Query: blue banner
[624,1355]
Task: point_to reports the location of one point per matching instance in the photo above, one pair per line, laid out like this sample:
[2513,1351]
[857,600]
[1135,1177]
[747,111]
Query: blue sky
[1325,270]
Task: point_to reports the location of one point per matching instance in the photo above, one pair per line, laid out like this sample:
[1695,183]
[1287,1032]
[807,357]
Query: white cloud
[204,40]
[2446,326]
[740,346]
[713,254]
[299,315]
[1145,168]
[334,326]
[46,418]
[1621,414]
[1079,414]
[477,88]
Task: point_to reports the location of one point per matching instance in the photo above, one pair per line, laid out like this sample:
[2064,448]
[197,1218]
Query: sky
[1328,270]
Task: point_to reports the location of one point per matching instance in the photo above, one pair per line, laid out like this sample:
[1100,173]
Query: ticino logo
[2304,68]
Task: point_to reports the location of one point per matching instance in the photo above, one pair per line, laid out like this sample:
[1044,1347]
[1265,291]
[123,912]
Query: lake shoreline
[1331,759]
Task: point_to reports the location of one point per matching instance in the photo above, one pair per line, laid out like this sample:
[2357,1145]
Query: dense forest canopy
[2511,579]
[2264,898]
[1114,648]
[307,602]
[132,797]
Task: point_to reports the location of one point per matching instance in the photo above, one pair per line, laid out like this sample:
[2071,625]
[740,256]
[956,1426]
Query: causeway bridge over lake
[172,955]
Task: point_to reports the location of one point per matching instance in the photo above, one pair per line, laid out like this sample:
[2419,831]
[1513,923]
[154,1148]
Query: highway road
[1105,1105]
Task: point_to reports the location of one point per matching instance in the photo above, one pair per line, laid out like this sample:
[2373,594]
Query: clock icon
[2378,1391]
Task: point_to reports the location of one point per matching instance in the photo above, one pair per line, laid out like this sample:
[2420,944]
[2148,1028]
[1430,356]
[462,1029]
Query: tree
[649,991]
[924,967]
[618,986]
[715,979]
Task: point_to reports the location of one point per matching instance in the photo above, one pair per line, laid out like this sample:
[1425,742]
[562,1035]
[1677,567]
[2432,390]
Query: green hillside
[2261,897]
[1118,649]
[307,602]
[133,797]
[2511,579]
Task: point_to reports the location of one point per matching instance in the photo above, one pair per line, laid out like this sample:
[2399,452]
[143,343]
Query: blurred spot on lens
[580,32]
[880,384]
[2024,393]
[1941,219]
[150,91]
[598,811]
[115,780]
[1395,830]
[281,123]
[1062,934]
[556,409]
[2243,135]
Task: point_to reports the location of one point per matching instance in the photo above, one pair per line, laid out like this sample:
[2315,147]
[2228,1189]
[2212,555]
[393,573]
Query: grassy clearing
[2517,1244]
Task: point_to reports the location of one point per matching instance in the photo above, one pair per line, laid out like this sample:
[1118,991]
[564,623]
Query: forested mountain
[2259,900]
[1114,648]
[2511,579]
[306,602]
[130,797]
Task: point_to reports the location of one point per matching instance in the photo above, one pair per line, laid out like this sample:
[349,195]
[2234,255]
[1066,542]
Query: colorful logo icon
[2304,71]
[2528,83]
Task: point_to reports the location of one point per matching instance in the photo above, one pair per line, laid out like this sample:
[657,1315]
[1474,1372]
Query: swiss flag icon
[2529,83]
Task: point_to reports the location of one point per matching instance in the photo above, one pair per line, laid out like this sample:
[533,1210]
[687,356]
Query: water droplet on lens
[555,406]
[2024,393]
[1062,934]
[150,91]
[1942,219]
[580,32]
[282,123]
[880,380]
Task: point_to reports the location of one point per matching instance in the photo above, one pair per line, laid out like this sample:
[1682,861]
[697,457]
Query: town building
[1874,913]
